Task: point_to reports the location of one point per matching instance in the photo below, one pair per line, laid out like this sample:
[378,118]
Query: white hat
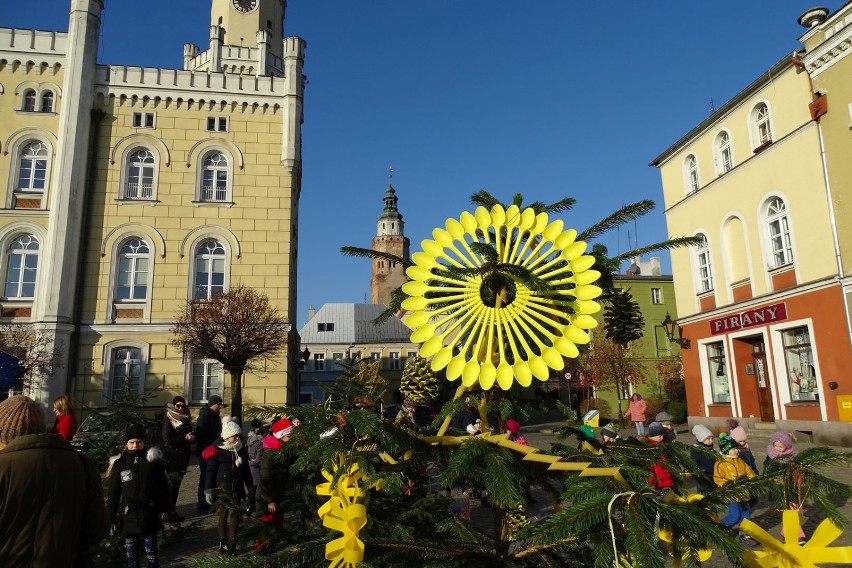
[231,428]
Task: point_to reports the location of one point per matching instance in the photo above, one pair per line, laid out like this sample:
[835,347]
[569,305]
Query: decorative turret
[217,37]
[294,89]
[390,237]
[390,221]
[190,51]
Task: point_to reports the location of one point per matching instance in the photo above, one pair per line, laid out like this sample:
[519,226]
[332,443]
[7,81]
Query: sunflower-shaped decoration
[501,296]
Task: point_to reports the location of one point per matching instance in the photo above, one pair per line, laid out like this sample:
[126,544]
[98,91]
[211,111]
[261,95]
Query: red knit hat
[282,428]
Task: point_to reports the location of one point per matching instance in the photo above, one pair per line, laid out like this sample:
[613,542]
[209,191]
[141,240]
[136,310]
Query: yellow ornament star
[790,554]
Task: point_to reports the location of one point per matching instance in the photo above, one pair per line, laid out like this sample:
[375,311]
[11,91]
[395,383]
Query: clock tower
[246,38]
[390,238]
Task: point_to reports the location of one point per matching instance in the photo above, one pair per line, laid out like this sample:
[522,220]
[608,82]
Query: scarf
[235,447]
[177,419]
[773,453]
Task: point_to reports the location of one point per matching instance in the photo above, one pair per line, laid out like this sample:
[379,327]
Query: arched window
[47,101]
[32,167]
[22,267]
[214,179]
[127,370]
[141,166]
[781,247]
[209,270]
[29,100]
[133,266]
[762,124]
[704,266]
[690,170]
[724,155]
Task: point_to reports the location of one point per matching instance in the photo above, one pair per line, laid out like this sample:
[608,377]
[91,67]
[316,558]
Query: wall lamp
[670,326]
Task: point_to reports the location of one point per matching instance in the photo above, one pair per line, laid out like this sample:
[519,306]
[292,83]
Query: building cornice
[834,48]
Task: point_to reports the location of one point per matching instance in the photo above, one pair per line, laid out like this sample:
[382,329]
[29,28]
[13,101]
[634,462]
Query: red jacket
[660,477]
[66,426]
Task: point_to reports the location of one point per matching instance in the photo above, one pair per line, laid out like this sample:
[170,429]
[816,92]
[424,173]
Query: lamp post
[669,325]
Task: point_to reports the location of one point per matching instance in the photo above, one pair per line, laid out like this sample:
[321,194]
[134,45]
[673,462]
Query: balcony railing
[138,191]
[210,193]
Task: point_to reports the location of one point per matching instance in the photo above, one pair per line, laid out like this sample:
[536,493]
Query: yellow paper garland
[472,340]
[342,513]
[790,553]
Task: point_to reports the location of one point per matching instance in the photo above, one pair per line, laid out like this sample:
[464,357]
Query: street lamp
[669,325]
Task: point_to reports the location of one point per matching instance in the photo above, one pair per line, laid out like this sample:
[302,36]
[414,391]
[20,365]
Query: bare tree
[235,328]
[609,365]
[37,354]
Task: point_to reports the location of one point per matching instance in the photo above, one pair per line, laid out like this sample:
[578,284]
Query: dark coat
[706,462]
[138,492]
[224,473]
[51,502]
[254,444]
[207,428]
[275,480]
[177,456]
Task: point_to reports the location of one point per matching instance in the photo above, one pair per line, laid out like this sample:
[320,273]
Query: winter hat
[135,432]
[215,399]
[609,432]
[512,426]
[656,429]
[282,428]
[178,399]
[230,428]
[20,415]
[738,434]
[409,402]
[726,444]
[732,423]
[785,438]
[664,417]
[701,432]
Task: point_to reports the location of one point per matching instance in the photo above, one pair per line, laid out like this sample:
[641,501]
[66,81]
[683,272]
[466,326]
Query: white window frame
[217,124]
[761,124]
[131,190]
[44,96]
[656,296]
[394,361]
[134,258]
[723,151]
[318,362]
[703,266]
[715,363]
[779,239]
[16,151]
[691,179]
[212,370]
[198,254]
[228,168]
[27,240]
[108,361]
[143,119]
[29,100]
[45,147]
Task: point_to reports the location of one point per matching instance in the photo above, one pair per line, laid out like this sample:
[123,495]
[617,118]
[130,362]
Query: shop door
[764,390]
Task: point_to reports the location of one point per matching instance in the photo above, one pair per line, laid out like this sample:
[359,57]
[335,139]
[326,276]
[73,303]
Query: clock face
[244,5]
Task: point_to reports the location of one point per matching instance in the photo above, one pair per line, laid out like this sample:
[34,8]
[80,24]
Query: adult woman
[227,473]
[66,422]
[636,412]
[178,438]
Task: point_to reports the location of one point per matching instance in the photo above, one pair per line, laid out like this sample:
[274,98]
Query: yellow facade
[192,180]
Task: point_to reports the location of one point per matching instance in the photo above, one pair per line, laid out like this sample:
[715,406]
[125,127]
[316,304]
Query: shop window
[801,374]
[720,387]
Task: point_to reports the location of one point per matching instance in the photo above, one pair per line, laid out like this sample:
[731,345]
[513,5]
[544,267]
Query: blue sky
[549,98]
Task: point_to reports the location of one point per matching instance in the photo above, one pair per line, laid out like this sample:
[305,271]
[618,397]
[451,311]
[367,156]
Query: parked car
[423,415]
[97,430]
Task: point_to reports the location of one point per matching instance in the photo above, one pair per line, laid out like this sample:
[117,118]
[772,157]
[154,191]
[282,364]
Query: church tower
[390,237]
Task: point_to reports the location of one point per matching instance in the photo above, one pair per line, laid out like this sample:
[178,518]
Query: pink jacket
[636,411]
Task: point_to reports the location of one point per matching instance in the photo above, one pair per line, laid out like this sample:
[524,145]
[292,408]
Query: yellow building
[130,190]
[761,298]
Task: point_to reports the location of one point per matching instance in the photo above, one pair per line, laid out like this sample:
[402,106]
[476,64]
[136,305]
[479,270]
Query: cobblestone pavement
[203,540]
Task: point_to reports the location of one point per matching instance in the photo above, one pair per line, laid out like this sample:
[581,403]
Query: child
[274,473]
[228,472]
[513,427]
[704,441]
[137,497]
[730,468]
[661,478]
[779,450]
[609,435]
[254,445]
[738,433]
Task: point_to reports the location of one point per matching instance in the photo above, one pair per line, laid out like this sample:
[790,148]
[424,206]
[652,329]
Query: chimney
[312,311]
[813,17]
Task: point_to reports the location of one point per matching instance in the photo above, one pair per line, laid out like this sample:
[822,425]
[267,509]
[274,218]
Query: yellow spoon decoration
[524,332]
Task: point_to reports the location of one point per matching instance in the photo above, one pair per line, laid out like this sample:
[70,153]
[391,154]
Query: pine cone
[419,381]
[516,519]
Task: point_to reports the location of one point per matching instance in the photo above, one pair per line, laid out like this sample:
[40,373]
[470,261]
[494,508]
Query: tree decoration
[419,382]
[667,535]
[501,296]
[343,513]
[790,553]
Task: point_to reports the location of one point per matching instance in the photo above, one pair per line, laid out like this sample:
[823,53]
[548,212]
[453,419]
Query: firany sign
[749,318]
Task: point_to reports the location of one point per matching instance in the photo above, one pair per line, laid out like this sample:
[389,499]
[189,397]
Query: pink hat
[738,434]
[512,426]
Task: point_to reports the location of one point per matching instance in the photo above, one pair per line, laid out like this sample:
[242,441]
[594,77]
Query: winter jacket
[275,481]
[65,426]
[254,445]
[207,429]
[223,471]
[138,492]
[729,469]
[706,462]
[174,438]
[660,477]
[748,457]
[51,502]
[636,410]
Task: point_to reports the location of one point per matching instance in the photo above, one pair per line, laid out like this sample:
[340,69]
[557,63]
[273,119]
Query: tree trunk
[237,394]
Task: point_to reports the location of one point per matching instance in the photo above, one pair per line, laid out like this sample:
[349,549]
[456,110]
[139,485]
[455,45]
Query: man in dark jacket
[207,430]
[52,502]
